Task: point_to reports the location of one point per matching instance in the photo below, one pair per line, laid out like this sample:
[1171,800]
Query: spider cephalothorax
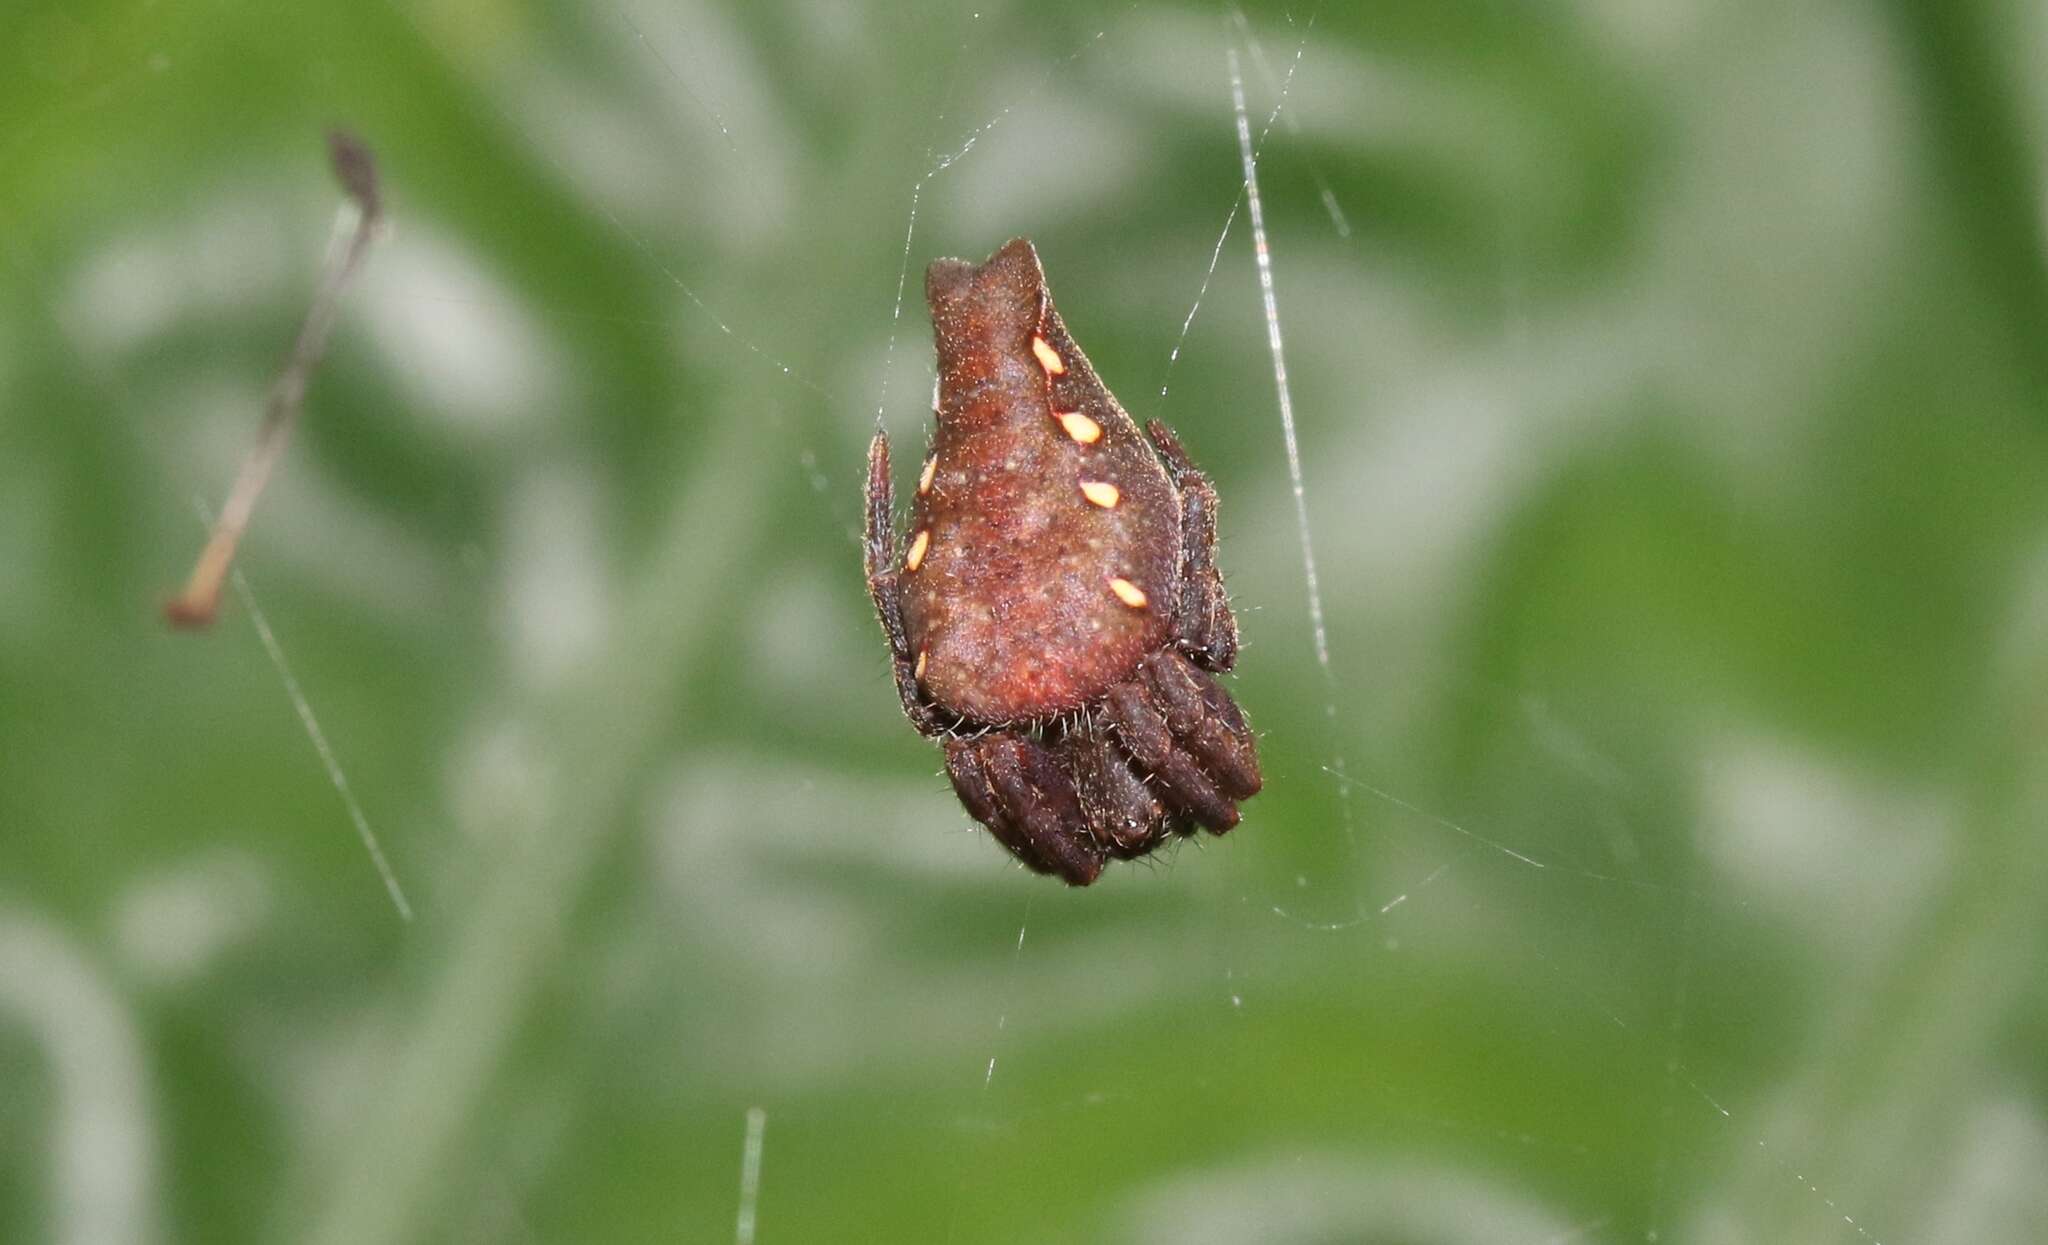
[1057,616]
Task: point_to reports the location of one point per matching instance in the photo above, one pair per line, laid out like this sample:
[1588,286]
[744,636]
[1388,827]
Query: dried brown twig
[199,603]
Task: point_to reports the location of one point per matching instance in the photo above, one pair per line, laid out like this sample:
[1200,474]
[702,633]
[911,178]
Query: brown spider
[1058,613]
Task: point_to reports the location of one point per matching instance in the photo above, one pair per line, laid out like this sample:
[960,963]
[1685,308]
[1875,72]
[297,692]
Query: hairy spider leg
[883,587]
[1143,731]
[1205,721]
[1206,628]
[1016,787]
[1125,816]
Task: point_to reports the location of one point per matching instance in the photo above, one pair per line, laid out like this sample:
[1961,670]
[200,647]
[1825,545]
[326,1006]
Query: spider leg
[883,576]
[1015,786]
[1207,629]
[1205,721]
[1146,736]
[1124,815]
[971,783]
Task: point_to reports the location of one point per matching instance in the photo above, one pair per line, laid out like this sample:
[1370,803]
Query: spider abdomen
[1045,544]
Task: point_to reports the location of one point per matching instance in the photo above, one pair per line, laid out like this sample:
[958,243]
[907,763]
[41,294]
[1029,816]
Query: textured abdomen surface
[1045,540]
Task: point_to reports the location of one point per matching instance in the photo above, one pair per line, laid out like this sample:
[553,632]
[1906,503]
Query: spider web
[1576,938]
[1249,198]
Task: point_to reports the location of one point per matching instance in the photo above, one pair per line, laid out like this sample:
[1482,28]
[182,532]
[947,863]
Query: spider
[1058,618]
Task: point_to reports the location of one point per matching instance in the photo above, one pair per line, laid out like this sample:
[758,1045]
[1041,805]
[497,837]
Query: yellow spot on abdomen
[918,673]
[1080,427]
[924,478]
[1102,493]
[922,542]
[1129,593]
[1048,358]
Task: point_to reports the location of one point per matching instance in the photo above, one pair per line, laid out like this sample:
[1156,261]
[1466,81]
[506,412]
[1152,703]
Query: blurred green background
[1660,857]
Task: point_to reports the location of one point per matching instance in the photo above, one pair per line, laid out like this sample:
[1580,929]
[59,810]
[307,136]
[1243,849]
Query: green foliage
[1659,854]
